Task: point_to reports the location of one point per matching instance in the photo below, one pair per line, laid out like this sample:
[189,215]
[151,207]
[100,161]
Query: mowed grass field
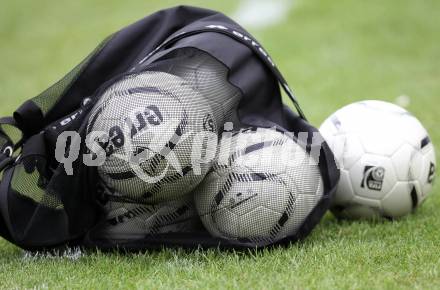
[333,53]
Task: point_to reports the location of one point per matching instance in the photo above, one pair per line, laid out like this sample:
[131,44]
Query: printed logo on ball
[208,123]
[431,175]
[240,198]
[373,177]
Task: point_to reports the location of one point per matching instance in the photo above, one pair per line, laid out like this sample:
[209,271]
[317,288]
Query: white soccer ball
[262,191]
[154,126]
[386,158]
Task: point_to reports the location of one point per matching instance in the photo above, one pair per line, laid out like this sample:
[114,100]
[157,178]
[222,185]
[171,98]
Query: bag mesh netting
[170,163]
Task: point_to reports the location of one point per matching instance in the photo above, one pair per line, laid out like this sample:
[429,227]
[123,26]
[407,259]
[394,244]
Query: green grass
[333,53]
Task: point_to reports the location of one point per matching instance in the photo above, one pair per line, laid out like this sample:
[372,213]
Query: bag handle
[245,39]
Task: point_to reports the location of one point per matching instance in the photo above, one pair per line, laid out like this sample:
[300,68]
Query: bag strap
[244,39]
[8,121]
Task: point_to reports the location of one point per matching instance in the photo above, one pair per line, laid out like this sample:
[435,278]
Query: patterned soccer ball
[151,125]
[386,158]
[125,221]
[262,191]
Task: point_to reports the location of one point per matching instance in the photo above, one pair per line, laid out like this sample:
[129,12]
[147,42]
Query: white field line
[260,14]
[404,101]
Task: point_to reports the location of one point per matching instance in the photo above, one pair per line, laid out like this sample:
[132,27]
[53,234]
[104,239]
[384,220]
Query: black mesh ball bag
[171,133]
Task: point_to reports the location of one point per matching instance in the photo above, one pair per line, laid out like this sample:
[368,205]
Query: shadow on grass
[330,231]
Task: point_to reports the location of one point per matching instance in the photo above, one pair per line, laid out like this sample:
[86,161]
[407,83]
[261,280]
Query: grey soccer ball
[208,76]
[155,130]
[130,221]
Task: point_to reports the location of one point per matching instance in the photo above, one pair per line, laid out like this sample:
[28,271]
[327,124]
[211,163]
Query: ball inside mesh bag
[262,192]
[132,221]
[206,75]
[154,129]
